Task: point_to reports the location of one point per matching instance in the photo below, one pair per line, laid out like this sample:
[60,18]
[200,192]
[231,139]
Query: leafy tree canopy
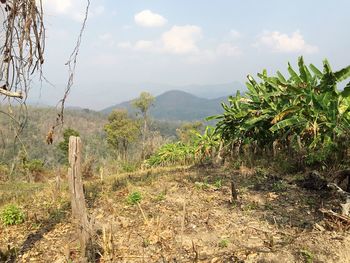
[144,102]
[121,130]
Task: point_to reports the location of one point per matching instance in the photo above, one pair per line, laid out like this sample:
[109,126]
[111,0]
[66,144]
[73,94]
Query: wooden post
[79,211]
[234,193]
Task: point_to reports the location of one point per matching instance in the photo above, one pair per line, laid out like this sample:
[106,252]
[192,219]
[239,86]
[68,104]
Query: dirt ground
[185,215]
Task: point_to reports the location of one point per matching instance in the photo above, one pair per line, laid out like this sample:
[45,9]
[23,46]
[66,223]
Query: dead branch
[346,206]
[71,63]
[7,93]
[338,189]
[335,220]
[340,176]
[22,46]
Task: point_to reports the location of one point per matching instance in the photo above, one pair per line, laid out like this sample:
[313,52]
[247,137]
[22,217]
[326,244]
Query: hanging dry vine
[22,46]
[71,63]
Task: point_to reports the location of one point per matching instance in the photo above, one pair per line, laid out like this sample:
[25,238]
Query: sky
[133,44]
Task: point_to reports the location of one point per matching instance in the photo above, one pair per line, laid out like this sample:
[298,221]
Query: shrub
[12,215]
[172,154]
[223,243]
[134,198]
[128,167]
[35,166]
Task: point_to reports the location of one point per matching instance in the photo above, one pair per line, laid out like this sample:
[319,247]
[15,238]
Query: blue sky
[178,42]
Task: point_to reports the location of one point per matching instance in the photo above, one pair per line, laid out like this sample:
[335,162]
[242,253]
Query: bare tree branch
[7,93]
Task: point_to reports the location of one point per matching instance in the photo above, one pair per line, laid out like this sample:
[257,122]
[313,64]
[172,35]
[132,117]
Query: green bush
[134,198]
[128,167]
[12,215]
[35,166]
[63,146]
[223,243]
[172,154]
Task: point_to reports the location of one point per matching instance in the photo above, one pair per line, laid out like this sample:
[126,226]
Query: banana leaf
[293,121]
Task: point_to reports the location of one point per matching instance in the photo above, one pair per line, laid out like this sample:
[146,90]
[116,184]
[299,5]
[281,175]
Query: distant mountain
[177,105]
[214,91]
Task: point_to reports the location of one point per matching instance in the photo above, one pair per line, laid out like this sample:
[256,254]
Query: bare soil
[185,215]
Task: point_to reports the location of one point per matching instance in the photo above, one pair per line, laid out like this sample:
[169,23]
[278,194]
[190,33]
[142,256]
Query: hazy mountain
[110,93]
[213,91]
[177,105]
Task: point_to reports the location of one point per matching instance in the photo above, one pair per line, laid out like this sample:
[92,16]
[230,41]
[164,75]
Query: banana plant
[206,144]
[307,106]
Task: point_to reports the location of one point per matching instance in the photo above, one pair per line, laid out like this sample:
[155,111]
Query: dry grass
[185,216]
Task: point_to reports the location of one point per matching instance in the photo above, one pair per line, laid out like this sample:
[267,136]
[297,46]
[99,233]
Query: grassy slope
[188,218]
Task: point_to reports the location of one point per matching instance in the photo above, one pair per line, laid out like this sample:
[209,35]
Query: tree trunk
[144,136]
[79,211]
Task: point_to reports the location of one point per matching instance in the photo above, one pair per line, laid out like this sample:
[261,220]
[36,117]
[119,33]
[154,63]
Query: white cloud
[235,34]
[107,39]
[279,42]
[125,45]
[145,45]
[178,40]
[71,8]
[147,18]
[59,6]
[228,49]
[181,39]
[222,51]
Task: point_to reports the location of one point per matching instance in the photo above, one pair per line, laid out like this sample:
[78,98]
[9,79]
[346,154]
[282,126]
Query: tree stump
[79,211]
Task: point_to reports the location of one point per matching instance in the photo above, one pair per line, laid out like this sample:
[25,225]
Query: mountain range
[177,105]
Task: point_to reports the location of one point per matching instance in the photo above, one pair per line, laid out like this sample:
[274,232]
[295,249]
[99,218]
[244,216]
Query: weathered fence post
[79,211]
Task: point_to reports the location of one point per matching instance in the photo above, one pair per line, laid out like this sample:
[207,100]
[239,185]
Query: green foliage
[200,148]
[223,243]
[218,183]
[206,145]
[63,146]
[12,215]
[88,123]
[279,186]
[128,167]
[121,131]
[307,255]
[172,154]
[202,185]
[143,102]
[134,198]
[35,166]
[186,133]
[161,196]
[305,113]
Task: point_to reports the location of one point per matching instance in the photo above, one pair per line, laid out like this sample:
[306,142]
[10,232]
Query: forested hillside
[178,105]
[37,122]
